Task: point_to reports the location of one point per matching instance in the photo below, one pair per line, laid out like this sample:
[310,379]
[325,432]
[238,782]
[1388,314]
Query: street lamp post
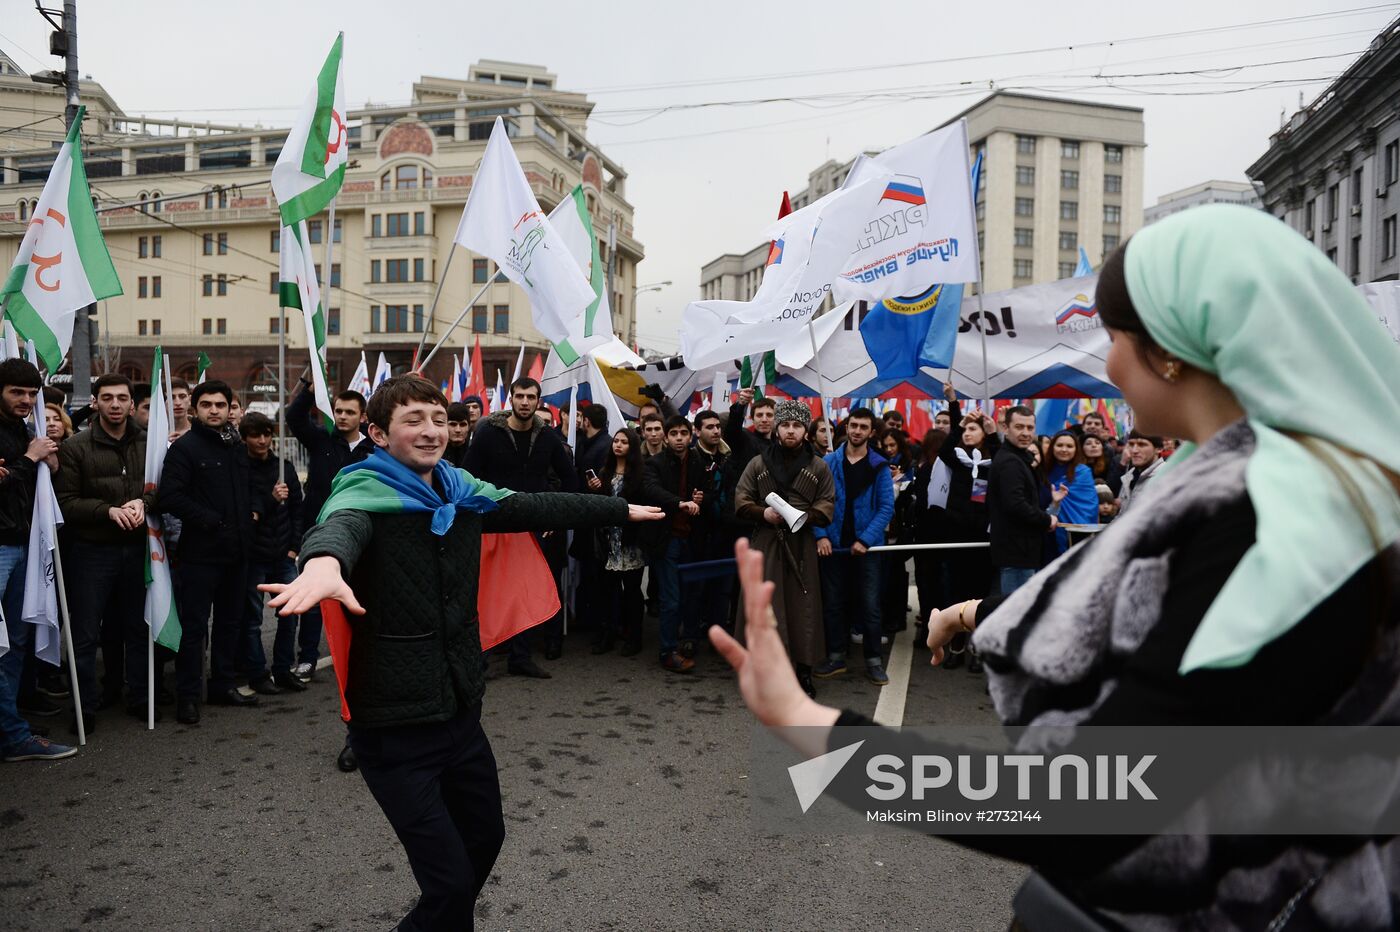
[642,289]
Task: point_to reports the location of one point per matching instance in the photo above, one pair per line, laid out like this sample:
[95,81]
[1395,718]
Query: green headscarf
[1236,293]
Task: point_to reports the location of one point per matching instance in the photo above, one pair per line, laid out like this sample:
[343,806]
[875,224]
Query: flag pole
[448,332]
[432,308]
[817,365]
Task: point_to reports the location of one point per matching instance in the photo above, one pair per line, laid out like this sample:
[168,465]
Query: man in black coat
[328,452]
[1018,523]
[517,450]
[746,444]
[276,541]
[590,604]
[205,484]
[416,678]
[675,480]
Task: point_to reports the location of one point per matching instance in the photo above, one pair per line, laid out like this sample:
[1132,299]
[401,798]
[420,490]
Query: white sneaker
[304,671]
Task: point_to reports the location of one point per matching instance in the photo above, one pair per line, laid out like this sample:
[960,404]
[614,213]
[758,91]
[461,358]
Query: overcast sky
[707,180]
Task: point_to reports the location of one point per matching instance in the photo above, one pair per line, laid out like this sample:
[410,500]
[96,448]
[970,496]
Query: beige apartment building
[1057,174]
[189,218]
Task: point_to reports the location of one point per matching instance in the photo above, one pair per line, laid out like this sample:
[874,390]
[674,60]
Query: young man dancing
[399,545]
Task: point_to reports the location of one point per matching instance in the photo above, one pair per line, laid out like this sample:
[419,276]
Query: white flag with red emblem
[312,163]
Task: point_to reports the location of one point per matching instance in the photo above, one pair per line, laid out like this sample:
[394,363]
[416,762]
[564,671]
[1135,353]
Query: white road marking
[889,710]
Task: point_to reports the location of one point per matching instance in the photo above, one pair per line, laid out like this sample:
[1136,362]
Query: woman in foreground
[1224,611]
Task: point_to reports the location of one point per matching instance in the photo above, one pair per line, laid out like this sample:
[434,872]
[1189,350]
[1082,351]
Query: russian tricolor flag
[906,193]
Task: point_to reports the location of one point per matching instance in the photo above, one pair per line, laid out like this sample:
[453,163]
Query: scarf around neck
[383,485]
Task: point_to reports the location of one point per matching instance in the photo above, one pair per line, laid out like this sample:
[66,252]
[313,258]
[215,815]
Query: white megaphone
[794,518]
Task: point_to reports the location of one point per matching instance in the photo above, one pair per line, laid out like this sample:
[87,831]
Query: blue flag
[1051,414]
[1084,268]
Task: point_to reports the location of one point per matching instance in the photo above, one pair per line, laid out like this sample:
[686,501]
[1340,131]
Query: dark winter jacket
[592,453]
[1018,524]
[327,453]
[416,652]
[205,484]
[664,486]
[17,486]
[97,472]
[537,462]
[279,531]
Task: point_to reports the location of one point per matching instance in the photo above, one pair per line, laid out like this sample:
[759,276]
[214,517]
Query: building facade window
[1025,206]
[418,270]
[155,247]
[1069,210]
[155,327]
[1069,148]
[1356,188]
[206,326]
[141,332]
[273,280]
[500,318]
[1067,269]
[333,321]
[478,318]
[1334,194]
[396,270]
[1110,243]
[1309,216]
[1025,174]
[223,244]
[141,247]
[1069,180]
[396,318]
[1069,239]
[339,229]
[208,244]
[376,226]
[222,282]
[1113,184]
[141,286]
[1024,236]
[479,271]
[405,177]
[207,285]
[274,325]
[1112,213]
[1392,163]
[1388,238]
[1355,259]
[420,223]
[1113,155]
[374,326]
[374,271]
[396,224]
[313,231]
[1025,145]
[417,318]
[155,286]
[221,325]
[1022,268]
[275,241]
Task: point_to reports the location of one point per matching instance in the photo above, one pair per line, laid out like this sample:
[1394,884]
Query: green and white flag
[299,290]
[312,163]
[160,594]
[62,264]
[593,327]
[204,363]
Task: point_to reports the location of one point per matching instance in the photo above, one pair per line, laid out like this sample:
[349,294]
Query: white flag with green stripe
[62,264]
[312,163]
[593,327]
[160,594]
[299,290]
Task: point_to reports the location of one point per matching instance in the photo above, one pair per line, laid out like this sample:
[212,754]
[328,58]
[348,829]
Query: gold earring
[1173,370]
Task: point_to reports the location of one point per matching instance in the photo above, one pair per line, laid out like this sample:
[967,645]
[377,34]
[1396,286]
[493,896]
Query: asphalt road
[626,802]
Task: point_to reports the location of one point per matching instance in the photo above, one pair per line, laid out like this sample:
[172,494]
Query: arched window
[427,177]
[385,183]
[142,198]
[155,207]
[24,210]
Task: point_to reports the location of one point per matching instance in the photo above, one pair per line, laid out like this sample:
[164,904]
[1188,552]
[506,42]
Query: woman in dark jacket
[968,453]
[617,551]
[1213,619]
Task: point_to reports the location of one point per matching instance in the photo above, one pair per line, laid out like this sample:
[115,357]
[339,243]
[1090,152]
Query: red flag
[537,368]
[785,207]
[515,592]
[476,382]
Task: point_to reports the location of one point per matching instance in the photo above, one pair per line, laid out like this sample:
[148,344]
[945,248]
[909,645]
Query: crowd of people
[234,513]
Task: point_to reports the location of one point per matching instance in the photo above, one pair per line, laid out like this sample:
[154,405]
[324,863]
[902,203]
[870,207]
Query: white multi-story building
[1207,192]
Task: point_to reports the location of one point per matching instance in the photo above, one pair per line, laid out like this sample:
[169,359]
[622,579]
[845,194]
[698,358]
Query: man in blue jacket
[864,507]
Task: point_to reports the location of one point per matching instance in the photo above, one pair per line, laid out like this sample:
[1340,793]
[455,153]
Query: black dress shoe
[187,712]
[138,712]
[554,649]
[346,761]
[288,682]
[265,687]
[528,668]
[232,697]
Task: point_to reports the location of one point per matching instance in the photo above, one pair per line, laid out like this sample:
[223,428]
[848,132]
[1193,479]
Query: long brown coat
[797,596]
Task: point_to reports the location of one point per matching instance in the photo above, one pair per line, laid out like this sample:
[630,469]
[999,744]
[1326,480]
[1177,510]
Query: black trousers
[438,788]
[221,587]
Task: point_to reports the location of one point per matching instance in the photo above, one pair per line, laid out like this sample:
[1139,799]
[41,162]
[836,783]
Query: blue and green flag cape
[383,485]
